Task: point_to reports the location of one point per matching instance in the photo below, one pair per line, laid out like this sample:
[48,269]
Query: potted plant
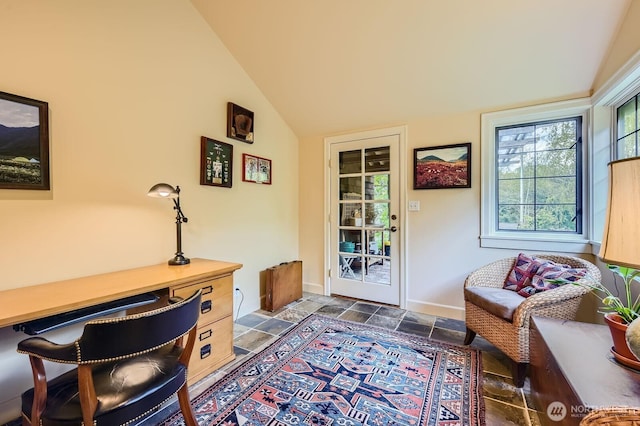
[619,310]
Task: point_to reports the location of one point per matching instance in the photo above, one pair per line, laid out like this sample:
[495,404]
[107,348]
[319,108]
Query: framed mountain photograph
[24,143]
[446,166]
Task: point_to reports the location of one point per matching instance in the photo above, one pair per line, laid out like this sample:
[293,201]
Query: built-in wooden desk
[214,277]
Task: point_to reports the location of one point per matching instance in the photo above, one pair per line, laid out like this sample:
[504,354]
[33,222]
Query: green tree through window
[538,176]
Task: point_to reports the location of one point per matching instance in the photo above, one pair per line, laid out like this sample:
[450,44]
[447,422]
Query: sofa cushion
[549,272]
[523,270]
[497,301]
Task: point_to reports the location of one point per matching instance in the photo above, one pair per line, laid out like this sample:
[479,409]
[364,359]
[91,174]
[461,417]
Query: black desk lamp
[163,190]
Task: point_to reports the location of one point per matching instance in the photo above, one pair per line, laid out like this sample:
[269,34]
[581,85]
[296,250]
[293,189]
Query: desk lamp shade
[164,190]
[621,238]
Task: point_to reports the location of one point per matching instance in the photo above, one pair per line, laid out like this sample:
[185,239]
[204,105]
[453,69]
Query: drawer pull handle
[205,306]
[205,351]
[205,335]
[208,289]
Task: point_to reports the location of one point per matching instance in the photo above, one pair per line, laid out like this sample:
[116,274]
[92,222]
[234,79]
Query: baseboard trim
[313,288]
[447,311]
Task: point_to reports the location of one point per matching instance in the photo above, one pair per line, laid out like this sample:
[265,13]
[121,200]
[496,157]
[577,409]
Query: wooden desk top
[39,301]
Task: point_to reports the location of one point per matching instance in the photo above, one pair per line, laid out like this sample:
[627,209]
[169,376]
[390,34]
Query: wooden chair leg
[185,406]
[39,391]
[468,338]
[519,373]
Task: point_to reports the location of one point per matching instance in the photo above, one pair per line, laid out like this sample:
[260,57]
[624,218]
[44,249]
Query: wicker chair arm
[555,298]
[491,275]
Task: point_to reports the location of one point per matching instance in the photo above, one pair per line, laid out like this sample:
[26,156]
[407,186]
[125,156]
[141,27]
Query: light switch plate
[414,206]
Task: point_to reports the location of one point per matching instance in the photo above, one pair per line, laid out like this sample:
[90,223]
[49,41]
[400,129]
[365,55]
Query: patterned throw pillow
[524,268]
[548,272]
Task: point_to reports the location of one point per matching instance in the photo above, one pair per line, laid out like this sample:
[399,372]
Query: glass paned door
[364,219]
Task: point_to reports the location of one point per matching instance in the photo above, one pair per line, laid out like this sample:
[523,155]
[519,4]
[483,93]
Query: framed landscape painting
[446,166]
[24,143]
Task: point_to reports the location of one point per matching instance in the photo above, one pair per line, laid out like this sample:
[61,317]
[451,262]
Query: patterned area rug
[327,371]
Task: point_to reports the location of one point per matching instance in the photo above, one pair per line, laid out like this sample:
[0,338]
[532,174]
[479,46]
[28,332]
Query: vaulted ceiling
[334,65]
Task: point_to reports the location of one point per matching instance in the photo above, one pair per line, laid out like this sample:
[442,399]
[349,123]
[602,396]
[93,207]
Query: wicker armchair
[512,337]
[613,416]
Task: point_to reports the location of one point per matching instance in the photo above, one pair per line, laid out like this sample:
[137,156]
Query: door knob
[392,229]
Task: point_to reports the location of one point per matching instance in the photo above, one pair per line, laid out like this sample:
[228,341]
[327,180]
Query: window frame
[636,132]
[490,236]
[616,91]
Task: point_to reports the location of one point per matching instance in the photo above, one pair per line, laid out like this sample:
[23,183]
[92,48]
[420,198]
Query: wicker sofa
[506,324]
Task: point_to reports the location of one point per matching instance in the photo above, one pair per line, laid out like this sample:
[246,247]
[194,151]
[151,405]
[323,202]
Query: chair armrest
[546,299]
[43,348]
[492,275]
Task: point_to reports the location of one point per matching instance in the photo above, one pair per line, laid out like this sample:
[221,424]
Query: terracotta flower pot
[618,328]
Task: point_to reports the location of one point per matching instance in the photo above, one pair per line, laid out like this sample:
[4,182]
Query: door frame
[401,132]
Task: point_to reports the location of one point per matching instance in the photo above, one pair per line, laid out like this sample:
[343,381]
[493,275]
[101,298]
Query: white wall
[131,87]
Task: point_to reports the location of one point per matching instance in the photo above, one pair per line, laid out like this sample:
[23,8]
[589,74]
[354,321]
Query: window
[532,178]
[614,125]
[538,176]
[627,130]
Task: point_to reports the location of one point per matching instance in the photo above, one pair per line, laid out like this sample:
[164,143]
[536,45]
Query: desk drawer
[217,298]
[213,348]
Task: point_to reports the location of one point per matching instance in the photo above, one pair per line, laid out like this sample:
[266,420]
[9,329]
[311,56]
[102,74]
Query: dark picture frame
[445,166]
[24,143]
[256,169]
[239,123]
[216,163]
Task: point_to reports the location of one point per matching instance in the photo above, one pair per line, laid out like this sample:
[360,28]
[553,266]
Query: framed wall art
[256,169]
[446,166]
[24,143]
[239,123]
[216,163]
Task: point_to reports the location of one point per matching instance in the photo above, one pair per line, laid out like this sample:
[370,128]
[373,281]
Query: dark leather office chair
[126,368]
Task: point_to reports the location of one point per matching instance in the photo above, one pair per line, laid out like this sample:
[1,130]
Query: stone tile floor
[504,403]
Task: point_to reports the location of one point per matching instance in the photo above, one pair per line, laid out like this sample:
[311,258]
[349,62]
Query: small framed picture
[239,123]
[446,166]
[256,169]
[216,163]
[24,143]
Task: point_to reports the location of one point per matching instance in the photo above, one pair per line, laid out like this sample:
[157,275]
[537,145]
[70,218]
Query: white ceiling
[334,65]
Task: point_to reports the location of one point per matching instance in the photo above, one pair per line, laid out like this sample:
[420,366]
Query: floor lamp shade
[621,238]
